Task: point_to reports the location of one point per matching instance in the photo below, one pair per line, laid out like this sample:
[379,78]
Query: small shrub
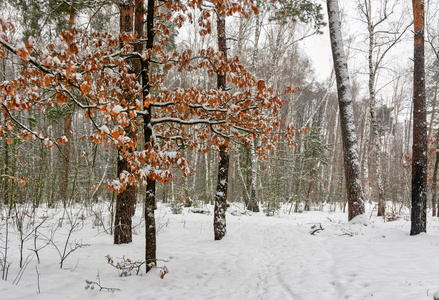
[176,208]
[273,207]
[127,267]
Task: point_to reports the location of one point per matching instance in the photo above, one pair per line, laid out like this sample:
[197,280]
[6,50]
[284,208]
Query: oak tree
[144,120]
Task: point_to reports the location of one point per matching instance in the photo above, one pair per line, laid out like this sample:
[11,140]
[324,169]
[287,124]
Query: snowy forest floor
[260,258]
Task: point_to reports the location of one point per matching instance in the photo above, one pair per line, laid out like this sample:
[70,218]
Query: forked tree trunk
[419,147]
[374,126]
[124,200]
[373,69]
[354,191]
[219,219]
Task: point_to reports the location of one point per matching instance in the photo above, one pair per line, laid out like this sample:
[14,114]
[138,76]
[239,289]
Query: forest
[243,149]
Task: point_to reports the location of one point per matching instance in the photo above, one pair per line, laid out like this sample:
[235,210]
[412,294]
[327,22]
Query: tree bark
[219,219]
[364,159]
[253,201]
[150,205]
[124,200]
[419,147]
[351,161]
[68,133]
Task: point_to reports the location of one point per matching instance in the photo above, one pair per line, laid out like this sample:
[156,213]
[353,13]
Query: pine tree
[419,148]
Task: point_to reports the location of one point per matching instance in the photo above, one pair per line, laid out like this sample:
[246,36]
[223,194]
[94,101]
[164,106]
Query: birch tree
[350,150]
[381,41]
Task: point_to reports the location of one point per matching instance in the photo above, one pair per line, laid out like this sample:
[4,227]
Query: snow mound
[360,220]
[199,210]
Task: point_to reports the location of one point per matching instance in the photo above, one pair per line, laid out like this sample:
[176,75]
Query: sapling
[162,223]
[36,248]
[22,269]
[26,226]
[38,280]
[76,222]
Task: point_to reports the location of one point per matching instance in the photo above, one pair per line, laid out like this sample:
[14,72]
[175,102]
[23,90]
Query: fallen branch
[313,232]
[91,285]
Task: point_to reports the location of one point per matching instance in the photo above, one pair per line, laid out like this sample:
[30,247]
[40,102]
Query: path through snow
[260,258]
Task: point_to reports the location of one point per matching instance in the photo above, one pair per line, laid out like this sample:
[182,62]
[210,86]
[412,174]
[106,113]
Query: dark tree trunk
[68,133]
[124,200]
[419,148]
[350,155]
[150,227]
[66,160]
[122,219]
[219,219]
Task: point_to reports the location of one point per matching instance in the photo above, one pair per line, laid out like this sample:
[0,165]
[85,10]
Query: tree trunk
[375,135]
[124,200]
[253,201]
[364,160]
[372,108]
[334,154]
[419,147]
[219,219]
[206,188]
[150,201]
[351,161]
[68,133]
[66,160]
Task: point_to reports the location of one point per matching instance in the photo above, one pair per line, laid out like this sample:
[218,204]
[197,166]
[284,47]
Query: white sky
[318,49]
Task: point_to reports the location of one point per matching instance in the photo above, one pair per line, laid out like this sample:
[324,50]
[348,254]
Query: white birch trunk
[350,150]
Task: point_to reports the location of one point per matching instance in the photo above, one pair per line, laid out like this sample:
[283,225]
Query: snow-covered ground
[260,258]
